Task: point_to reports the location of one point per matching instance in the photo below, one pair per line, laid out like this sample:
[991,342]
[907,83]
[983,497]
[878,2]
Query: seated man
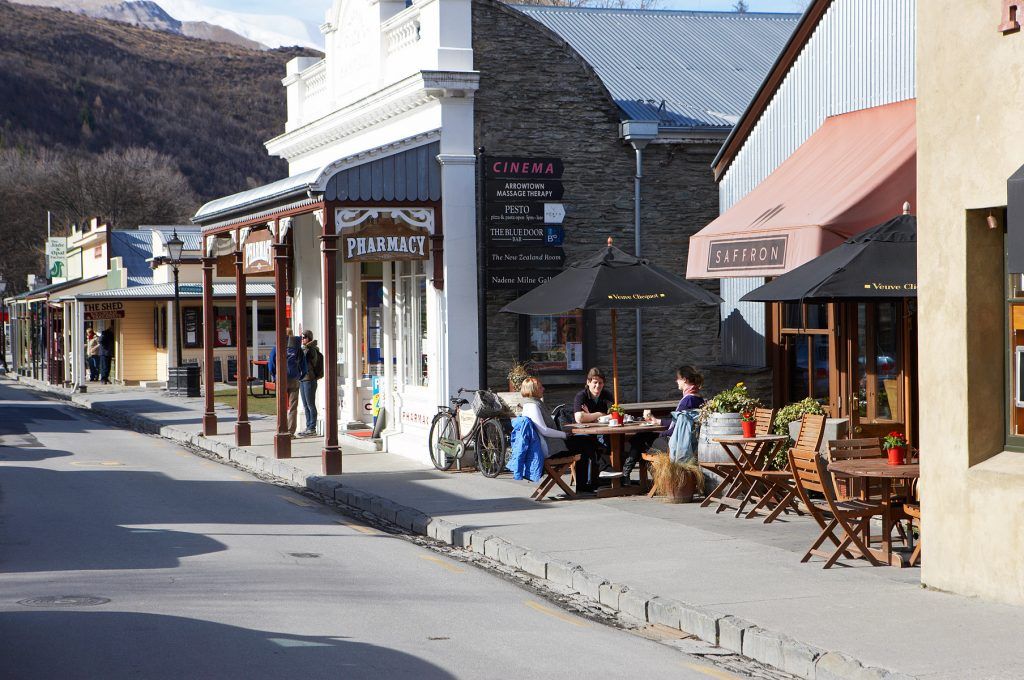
[589,405]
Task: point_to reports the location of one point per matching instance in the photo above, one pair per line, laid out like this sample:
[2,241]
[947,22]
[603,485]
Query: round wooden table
[616,438]
[879,468]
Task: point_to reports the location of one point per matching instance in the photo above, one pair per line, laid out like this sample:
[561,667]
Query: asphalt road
[202,571]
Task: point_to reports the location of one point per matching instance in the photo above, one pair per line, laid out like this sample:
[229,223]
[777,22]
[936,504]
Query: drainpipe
[639,133]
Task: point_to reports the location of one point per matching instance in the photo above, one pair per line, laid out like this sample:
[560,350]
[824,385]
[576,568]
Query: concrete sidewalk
[736,583]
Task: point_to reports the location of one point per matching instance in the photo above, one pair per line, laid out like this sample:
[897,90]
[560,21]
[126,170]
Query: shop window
[1015,351]
[160,326]
[553,343]
[413,318]
[224,330]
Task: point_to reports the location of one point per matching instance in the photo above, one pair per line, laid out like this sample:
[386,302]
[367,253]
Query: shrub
[784,417]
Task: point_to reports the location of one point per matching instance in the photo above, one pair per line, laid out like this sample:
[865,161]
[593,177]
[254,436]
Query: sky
[312,11]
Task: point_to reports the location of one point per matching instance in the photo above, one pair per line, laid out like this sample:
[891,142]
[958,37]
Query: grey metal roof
[413,175]
[134,248]
[692,70]
[190,234]
[51,288]
[165,291]
[296,185]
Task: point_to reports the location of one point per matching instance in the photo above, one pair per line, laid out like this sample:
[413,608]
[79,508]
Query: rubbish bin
[183,381]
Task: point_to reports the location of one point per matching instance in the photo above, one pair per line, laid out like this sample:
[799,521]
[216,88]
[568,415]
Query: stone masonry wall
[537,97]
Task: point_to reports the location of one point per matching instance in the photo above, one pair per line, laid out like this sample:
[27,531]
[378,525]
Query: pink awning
[854,172]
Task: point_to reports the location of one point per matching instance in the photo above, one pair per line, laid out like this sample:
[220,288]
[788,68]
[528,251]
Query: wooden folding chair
[912,510]
[851,516]
[554,470]
[732,481]
[779,483]
[848,449]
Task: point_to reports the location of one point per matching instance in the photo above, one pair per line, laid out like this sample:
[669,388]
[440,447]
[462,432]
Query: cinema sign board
[385,239]
[515,167]
[257,254]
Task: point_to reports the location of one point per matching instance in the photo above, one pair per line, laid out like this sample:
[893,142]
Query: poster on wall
[190,322]
[222,334]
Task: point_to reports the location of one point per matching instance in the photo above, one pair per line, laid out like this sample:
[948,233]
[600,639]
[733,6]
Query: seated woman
[554,441]
[689,382]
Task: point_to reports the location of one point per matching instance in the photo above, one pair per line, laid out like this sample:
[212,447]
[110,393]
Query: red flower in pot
[749,423]
[896,446]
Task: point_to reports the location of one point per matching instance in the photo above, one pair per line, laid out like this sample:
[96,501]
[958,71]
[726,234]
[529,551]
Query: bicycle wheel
[490,448]
[443,441]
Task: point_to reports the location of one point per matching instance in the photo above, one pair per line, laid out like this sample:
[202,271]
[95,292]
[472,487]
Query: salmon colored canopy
[854,172]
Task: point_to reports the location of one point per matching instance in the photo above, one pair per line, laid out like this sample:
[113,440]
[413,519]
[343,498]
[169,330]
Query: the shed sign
[96,311]
[257,256]
[385,239]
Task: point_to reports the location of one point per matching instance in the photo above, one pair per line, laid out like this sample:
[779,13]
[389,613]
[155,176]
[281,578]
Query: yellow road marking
[360,528]
[241,477]
[711,672]
[302,502]
[444,564]
[97,463]
[555,613]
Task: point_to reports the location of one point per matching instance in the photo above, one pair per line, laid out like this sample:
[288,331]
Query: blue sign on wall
[554,236]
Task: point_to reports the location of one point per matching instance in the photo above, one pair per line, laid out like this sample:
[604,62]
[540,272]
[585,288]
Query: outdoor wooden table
[748,454]
[879,468]
[655,407]
[617,439]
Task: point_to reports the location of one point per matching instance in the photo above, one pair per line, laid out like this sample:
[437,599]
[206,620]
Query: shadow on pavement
[105,644]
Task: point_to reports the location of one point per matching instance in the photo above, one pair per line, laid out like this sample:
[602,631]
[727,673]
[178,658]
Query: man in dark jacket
[295,368]
[106,354]
[307,386]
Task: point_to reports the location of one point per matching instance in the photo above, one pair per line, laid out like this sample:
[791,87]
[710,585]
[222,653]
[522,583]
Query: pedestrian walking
[307,386]
[295,369]
[106,354]
[92,353]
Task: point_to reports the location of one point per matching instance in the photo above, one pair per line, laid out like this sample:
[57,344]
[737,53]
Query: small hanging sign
[257,253]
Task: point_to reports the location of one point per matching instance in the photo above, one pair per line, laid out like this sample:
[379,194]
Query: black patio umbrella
[610,279]
[876,264]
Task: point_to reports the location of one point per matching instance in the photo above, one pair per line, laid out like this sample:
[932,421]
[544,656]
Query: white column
[399,329]
[79,340]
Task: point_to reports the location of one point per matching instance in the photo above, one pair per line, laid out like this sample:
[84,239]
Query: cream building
[970,70]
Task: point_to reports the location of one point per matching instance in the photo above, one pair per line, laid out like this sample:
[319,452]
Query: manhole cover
[305,555]
[64,601]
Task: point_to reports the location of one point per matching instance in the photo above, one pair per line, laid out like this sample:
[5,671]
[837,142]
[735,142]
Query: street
[190,568]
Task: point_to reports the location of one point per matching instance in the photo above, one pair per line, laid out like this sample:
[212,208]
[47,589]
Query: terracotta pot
[749,428]
[684,492]
[897,455]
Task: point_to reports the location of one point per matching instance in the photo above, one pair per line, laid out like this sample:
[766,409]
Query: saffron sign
[257,257]
[385,239]
[750,253]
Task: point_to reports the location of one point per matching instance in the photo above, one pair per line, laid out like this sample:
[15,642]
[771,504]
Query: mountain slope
[75,83]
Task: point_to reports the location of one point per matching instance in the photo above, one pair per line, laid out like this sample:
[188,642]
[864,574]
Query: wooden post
[615,360]
[243,431]
[283,438]
[331,454]
[209,415]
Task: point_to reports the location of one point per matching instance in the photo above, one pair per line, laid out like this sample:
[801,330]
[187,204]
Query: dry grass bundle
[669,476]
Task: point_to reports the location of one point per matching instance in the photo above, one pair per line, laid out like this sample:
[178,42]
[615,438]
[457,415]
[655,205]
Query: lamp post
[3,332]
[174,247]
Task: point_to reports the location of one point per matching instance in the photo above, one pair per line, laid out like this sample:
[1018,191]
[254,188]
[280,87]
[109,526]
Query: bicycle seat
[459,401]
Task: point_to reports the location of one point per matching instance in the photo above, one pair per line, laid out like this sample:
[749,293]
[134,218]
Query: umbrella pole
[615,363]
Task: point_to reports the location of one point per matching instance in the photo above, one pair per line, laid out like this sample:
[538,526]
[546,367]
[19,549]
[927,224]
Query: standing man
[106,354]
[295,368]
[92,351]
[307,386]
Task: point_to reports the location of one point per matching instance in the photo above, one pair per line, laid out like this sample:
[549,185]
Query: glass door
[807,347]
[876,402]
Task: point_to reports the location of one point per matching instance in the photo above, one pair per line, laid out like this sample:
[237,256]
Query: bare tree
[740,6]
[124,188]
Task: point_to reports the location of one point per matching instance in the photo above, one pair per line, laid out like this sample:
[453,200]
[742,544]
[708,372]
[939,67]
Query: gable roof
[687,70]
[773,79]
[134,247]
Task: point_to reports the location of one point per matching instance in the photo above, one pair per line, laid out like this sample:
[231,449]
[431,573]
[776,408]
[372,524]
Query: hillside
[72,83]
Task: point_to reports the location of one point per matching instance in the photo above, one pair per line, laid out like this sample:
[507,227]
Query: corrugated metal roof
[288,187]
[694,70]
[413,175]
[134,248]
[165,291]
[190,234]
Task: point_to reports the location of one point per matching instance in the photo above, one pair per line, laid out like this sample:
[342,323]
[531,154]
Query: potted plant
[517,373]
[748,423]
[896,446]
[678,480]
[785,416]
[720,417]
[616,414]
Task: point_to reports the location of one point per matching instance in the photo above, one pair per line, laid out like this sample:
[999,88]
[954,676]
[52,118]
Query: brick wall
[537,97]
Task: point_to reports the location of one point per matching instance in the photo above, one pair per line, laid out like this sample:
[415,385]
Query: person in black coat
[106,354]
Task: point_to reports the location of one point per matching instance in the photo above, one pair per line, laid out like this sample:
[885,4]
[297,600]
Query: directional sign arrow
[554,213]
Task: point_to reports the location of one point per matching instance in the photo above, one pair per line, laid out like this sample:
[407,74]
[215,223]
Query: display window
[554,343]
[1015,361]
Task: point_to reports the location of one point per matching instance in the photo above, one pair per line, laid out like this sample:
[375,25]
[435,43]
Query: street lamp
[3,336]
[174,247]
